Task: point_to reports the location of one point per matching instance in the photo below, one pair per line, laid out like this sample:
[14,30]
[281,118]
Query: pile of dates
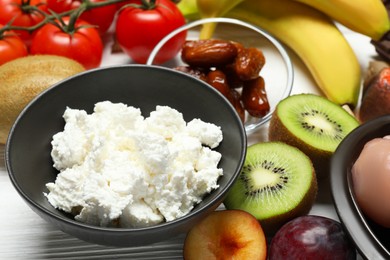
[232,69]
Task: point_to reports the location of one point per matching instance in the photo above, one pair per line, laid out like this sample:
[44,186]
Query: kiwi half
[313,124]
[276,184]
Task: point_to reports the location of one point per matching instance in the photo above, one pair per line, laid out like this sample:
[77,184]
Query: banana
[314,37]
[213,8]
[189,9]
[368,17]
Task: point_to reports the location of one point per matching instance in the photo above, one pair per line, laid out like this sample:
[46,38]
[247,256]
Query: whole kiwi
[22,79]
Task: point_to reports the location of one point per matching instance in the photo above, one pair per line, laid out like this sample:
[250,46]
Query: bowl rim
[72,222]
[343,196]
[272,39]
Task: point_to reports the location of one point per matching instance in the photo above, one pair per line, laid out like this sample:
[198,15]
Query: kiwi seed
[313,124]
[276,184]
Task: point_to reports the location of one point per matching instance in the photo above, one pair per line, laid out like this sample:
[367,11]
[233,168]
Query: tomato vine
[52,16]
[73,29]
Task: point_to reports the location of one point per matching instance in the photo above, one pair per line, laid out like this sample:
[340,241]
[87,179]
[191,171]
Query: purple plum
[311,237]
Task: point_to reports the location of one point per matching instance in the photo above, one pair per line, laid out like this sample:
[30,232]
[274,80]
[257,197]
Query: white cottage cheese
[119,168]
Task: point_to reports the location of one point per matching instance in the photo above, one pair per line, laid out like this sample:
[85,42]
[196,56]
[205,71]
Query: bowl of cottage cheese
[126,155]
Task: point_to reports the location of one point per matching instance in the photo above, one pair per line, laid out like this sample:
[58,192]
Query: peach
[226,234]
[371,180]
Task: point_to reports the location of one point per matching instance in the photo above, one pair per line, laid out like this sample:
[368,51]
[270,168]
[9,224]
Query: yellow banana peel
[368,17]
[314,37]
[189,9]
[211,9]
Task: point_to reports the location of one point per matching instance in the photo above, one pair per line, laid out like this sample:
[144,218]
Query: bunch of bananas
[308,28]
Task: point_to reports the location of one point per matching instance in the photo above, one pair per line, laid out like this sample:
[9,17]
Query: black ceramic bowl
[372,240]
[28,147]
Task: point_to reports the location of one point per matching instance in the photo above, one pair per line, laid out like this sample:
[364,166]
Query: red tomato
[11,47]
[102,17]
[83,45]
[60,6]
[139,30]
[121,4]
[22,15]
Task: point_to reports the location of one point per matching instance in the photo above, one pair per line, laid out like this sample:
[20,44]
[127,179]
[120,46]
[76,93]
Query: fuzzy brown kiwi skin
[273,224]
[24,78]
[320,159]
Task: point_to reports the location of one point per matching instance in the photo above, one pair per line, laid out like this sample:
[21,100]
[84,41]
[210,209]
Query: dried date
[254,97]
[208,53]
[248,63]
[237,104]
[217,79]
[228,66]
[195,72]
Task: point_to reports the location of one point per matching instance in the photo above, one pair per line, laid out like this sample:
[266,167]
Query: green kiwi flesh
[276,184]
[313,124]
[315,120]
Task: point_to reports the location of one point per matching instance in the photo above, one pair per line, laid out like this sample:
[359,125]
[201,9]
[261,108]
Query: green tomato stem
[74,14]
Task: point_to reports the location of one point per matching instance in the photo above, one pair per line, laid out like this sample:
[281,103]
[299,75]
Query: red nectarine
[226,234]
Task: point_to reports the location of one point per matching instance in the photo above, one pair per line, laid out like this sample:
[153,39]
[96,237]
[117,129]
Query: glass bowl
[277,72]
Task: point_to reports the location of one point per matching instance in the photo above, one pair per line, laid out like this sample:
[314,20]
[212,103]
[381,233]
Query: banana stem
[207,31]
[213,8]
[349,110]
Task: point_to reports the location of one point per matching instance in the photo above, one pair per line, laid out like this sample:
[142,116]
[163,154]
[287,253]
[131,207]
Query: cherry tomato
[60,6]
[102,17]
[83,45]
[121,4]
[11,47]
[139,30]
[22,13]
